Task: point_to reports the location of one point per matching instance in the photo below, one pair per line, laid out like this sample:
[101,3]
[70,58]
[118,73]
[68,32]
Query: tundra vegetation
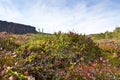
[60,56]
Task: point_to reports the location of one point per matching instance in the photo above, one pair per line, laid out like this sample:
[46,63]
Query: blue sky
[81,16]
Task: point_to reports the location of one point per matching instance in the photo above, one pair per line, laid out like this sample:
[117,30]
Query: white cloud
[54,15]
[8,11]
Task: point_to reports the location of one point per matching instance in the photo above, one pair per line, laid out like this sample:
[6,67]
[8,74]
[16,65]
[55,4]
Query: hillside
[61,56]
[16,28]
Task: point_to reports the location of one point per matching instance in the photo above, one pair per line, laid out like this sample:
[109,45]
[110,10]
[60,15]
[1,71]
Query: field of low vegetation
[60,56]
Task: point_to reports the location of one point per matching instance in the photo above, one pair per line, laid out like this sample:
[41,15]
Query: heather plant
[46,55]
[7,44]
[10,42]
[60,56]
[99,69]
[109,42]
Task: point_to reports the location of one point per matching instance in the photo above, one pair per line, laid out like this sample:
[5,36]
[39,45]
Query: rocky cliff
[16,28]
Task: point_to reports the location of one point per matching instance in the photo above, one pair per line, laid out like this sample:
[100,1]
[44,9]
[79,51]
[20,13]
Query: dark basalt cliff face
[16,28]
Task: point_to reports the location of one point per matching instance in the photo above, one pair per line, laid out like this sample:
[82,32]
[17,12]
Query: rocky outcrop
[16,28]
